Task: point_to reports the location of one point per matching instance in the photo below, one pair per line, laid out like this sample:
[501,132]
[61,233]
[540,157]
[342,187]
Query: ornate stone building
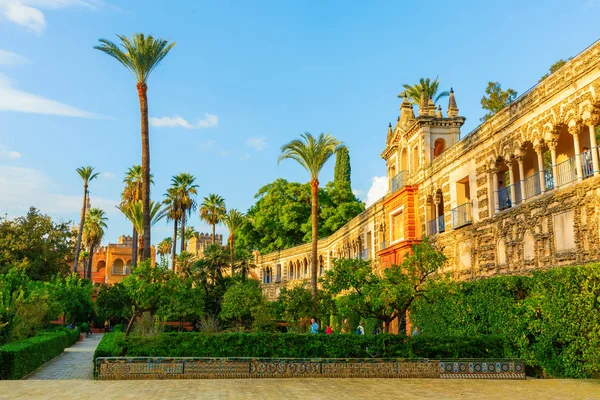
[196,245]
[518,193]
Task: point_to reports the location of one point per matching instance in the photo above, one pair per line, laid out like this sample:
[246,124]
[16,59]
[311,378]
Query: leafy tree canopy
[280,218]
[37,245]
[495,99]
[240,302]
[555,67]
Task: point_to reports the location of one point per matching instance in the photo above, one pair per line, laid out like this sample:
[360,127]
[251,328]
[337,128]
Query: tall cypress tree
[341,173]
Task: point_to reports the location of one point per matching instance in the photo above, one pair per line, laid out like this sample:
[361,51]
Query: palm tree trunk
[174,249]
[182,247]
[231,252]
[142,89]
[314,186]
[88,273]
[134,248]
[80,233]
[213,226]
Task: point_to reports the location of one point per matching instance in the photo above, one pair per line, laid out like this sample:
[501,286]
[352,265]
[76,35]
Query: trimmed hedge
[20,358]
[551,319]
[290,345]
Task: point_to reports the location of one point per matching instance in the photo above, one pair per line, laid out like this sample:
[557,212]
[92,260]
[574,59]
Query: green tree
[186,190]
[134,213]
[495,99]
[212,211]
[186,302]
[174,213]
[148,288]
[425,84]
[342,169]
[312,153]
[185,261]
[114,302]
[339,205]
[93,232]
[387,296]
[296,306]
[132,193]
[71,297]
[88,175]
[233,219]
[555,67]
[37,245]
[164,247]
[215,258]
[140,55]
[241,301]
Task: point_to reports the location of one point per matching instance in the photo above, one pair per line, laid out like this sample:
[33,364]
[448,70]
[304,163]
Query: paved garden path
[74,363]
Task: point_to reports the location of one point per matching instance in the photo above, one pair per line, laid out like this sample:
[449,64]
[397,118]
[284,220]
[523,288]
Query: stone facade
[519,192]
[196,245]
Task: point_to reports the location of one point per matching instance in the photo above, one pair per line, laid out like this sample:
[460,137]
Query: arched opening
[321,266]
[128,263]
[404,160]
[118,267]
[267,275]
[501,252]
[528,247]
[503,179]
[438,147]
[100,265]
[278,273]
[306,273]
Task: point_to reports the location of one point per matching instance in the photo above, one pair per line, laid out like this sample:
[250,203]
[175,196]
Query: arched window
[438,147]
[118,267]
[501,252]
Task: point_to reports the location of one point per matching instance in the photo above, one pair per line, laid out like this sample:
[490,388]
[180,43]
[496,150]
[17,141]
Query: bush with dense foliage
[299,346]
[25,356]
[551,319]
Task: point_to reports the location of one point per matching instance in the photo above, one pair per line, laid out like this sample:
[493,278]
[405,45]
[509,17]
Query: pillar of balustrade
[513,193]
[436,201]
[574,130]
[521,176]
[540,162]
[592,122]
[490,188]
[495,194]
[552,146]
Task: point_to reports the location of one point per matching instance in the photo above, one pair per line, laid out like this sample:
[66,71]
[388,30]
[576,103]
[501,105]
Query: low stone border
[124,368]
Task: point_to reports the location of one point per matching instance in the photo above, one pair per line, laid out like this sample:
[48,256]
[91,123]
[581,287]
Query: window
[397,225]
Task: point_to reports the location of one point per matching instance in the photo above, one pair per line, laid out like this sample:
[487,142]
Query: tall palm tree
[93,233]
[312,153]
[185,262]
[173,214]
[215,258]
[212,211]
[233,220]
[132,192]
[140,55]
[186,190]
[164,247]
[88,175]
[430,87]
[135,215]
[190,232]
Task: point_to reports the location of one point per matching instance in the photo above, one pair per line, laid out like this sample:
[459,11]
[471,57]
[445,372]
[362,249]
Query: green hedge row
[551,319]
[23,357]
[290,345]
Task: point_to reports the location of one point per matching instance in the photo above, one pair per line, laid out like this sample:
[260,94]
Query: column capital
[539,148]
[594,118]
[511,162]
[552,144]
[493,170]
[576,129]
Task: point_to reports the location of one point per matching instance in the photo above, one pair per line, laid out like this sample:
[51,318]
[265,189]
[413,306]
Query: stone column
[495,187]
[511,174]
[591,123]
[552,146]
[522,177]
[436,201]
[574,130]
[540,162]
[490,187]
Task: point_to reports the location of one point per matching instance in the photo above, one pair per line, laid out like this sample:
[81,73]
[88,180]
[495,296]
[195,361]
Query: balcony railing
[437,225]
[566,172]
[549,180]
[121,270]
[503,196]
[587,165]
[382,245]
[532,186]
[461,215]
[399,181]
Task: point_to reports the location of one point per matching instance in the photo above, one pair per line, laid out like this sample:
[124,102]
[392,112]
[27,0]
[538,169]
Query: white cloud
[28,13]
[25,187]
[258,143]
[7,154]
[357,192]
[12,99]
[207,145]
[245,157]
[108,175]
[225,153]
[209,121]
[378,189]
[10,58]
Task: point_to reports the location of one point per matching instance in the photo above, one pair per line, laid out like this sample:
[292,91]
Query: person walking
[314,327]
[328,330]
[361,329]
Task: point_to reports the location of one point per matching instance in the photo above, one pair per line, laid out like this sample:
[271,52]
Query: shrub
[23,357]
[299,346]
[550,318]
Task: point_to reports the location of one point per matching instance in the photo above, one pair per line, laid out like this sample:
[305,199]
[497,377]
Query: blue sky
[244,78]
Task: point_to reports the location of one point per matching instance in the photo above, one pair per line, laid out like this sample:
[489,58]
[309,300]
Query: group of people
[360,330]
